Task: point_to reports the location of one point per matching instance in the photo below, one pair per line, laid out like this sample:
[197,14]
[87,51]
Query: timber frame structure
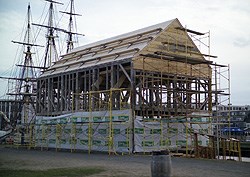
[161,70]
[157,72]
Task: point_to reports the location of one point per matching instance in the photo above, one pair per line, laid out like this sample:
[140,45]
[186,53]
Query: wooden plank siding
[172,67]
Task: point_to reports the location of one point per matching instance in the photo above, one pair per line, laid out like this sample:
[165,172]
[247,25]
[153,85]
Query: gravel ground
[118,165]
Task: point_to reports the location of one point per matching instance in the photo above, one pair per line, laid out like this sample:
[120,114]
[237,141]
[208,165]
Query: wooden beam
[125,72]
[190,31]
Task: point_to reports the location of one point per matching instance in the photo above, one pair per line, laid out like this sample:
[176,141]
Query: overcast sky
[227,20]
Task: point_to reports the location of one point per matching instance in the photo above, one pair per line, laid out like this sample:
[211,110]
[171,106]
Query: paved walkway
[119,166]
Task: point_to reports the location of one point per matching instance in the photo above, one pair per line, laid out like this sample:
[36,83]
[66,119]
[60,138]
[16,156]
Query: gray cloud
[241,7]
[242,42]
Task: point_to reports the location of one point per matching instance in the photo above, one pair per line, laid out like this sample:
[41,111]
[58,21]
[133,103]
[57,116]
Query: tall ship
[19,110]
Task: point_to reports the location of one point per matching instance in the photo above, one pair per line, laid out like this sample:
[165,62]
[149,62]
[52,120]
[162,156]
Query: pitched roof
[167,39]
[137,33]
[116,48]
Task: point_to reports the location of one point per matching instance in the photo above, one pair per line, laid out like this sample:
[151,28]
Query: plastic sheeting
[86,131]
[102,131]
[160,135]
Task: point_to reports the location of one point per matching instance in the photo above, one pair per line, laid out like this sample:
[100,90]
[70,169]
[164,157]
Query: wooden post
[197,153]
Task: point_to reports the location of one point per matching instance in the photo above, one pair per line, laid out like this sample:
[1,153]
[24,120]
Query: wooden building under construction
[137,92]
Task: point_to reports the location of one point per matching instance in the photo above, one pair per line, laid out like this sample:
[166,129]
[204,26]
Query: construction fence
[117,131]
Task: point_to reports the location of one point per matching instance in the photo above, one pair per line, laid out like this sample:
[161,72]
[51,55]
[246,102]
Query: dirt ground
[119,165]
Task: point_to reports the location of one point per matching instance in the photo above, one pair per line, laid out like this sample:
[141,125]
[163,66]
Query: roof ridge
[124,35]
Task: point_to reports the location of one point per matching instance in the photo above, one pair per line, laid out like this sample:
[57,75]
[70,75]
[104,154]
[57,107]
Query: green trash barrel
[161,164]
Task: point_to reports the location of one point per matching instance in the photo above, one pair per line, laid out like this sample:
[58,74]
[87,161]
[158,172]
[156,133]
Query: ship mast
[51,54]
[25,84]
[70,33]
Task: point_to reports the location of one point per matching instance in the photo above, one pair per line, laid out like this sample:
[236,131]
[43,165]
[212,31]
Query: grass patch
[59,172]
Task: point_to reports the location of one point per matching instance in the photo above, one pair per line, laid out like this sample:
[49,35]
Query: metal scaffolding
[157,73]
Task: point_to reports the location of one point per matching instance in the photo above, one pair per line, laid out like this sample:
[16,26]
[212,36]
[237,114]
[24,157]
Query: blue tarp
[232,129]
